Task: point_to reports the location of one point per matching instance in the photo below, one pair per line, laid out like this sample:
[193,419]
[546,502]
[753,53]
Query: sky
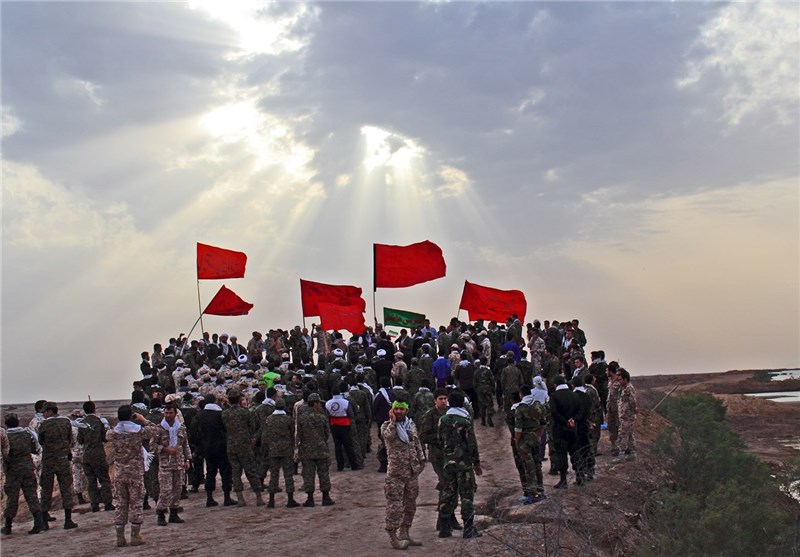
[633,165]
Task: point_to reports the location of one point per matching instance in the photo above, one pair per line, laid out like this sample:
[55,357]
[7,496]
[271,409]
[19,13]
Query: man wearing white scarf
[172,447]
[125,442]
[405,463]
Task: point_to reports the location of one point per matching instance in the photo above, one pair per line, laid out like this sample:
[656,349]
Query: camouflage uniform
[171,467]
[460,450]
[401,487]
[4,448]
[151,484]
[313,432]
[612,413]
[278,434]
[264,411]
[528,421]
[421,403]
[34,425]
[78,476]
[414,379]
[484,384]
[55,435]
[18,464]
[241,426]
[429,434]
[363,403]
[128,485]
[511,381]
[595,420]
[627,418]
[95,466]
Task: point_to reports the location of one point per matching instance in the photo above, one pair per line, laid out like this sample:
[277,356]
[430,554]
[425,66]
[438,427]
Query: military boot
[271,502]
[81,500]
[121,541]
[174,518]
[210,499]
[37,524]
[490,421]
[259,499]
[326,499]
[310,501]
[445,527]
[291,503]
[68,524]
[396,542]
[95,507]
[45,521]
[403,534]
[136,535]
[6,529]
[227,501]
[454,522]
[240,499]
[469,529]
[162,518]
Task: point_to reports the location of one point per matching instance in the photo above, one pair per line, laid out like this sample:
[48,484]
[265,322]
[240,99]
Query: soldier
[536,346]
[416,375]
[423,400]
[262,412]
[172,447]
[510,380]
[312,434]
[406,462]
[363,402]
[550,368]
[78,476]
[55,435]
[151,484]
[18,447]
[240,428]
[612,407]
[627,414]
[33,425]
[563,410]
[213,442]
[595,420]
[278,433]
[598,369]
[484,384]
[528,424]
[461,463]
[95,466]
[126,441]
[381,405]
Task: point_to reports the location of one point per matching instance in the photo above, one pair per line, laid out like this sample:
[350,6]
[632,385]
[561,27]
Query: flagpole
[200,309]
[374,286]
[193,326]
[303,313]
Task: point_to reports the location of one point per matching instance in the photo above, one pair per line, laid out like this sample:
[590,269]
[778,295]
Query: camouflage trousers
[436,458]
[485,402]
[313,467]
[555,464]
[151,484]
[612,421]
[78,476]
[626,441]
[97,472]
[594,437]
[52,468]
[276,464]
[170,482]
[362,429]
[243,460]
[458,481]
[25,481]
[358,451]
[401,500]
[128,499]
[528,453]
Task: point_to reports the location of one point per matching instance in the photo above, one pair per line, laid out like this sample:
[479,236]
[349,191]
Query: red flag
[226,302]
[334,317]
[219,263]
[401,266]
[483,302]
[314,293]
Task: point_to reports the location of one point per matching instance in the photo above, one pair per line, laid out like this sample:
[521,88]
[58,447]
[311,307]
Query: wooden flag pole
[374,286]
[200,309]
[193,326]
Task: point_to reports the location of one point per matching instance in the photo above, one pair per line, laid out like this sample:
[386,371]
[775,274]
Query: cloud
[81,88]
[748,52]
[10,123]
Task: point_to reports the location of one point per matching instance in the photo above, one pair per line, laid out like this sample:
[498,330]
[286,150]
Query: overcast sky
[634,165]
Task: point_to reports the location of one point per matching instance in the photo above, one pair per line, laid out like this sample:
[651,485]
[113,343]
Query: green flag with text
[402,318]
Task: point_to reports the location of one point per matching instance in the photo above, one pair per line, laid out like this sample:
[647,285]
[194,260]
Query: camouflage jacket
[511,379]
[278,435]
[55,436]
[240,426]
[529,418]
[312,434]
[484,379]
[92,438]
[362,405]
[21,445]
[172,461]
[405,459]
[421,403]
[596,415]
[457,439]
[414,379]
[627,403]
[429,427]
[126,449]
[612,403]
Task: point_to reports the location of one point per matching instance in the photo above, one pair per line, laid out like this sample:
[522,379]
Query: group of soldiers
[213,407]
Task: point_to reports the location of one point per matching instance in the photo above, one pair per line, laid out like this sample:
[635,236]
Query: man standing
[612,407]
[406,461]
[440,370]
[381,405]
[55,435]
[240,432]
[18,463]
[278,433]
[213,441]
[341,419]
[563,410]
[312,435]
[485,386]
[461,463]
[95,466]
[510,380]
[627,414]
[528,424]
[126,441]
[174,458]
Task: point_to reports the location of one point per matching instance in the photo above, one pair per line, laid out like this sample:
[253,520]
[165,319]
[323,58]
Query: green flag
[401,318]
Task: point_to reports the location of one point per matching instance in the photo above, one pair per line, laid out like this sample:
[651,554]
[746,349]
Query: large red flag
[483,302]
[335,317]
[219,263]
[226,302]
[401,266]
[314,293]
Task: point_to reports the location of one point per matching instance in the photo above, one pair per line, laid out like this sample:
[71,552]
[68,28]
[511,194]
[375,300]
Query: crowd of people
[214,407]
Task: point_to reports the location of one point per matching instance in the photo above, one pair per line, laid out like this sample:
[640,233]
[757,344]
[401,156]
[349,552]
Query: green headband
[398,404]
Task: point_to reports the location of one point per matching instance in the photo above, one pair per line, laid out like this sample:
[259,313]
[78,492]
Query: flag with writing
[401,266]
[483,302]
[219,263]
[226,302]
[313,293]
[403,319]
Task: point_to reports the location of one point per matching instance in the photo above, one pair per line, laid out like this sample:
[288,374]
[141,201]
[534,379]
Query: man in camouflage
[17,462]
[461,463]
[55,436]
[126,441]
[485,385]
[172,447]
[406,461]
[241,427]
[612,407]
[627,414]
[278,433]
[363,405]
[529,420]
[510,380]
[95,466]
[313,432]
